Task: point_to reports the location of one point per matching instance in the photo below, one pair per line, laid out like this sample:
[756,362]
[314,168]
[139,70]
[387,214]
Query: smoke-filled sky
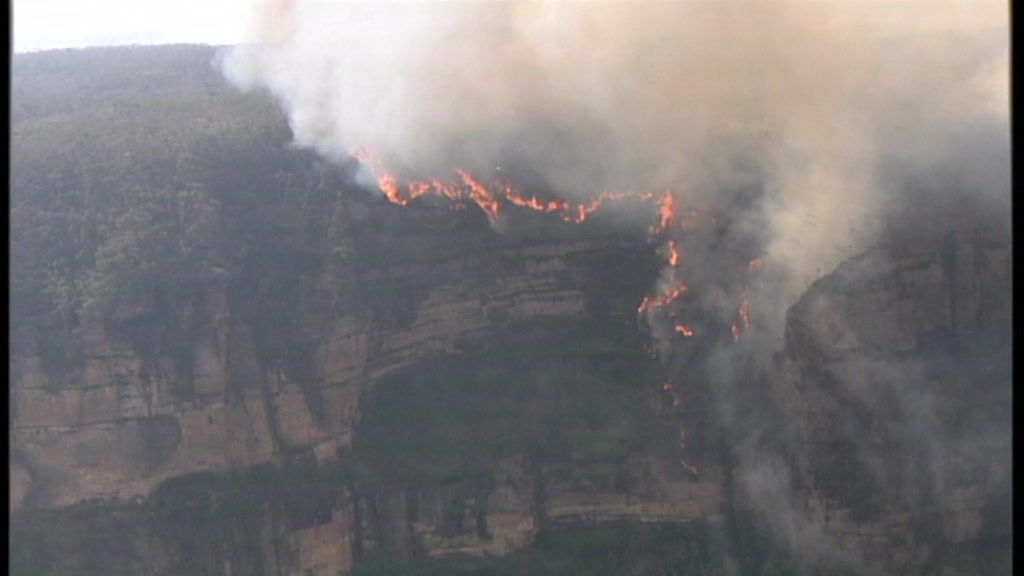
[800,133]
[806,123]
[809,122]
[51,24]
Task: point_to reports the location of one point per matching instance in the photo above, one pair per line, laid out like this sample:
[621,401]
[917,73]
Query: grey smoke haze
[805,100]
[809,131]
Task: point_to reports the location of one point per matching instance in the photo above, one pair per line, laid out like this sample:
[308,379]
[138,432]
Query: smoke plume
[802,100]
[798,133]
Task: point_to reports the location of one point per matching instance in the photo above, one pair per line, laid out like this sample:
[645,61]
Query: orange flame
[645,305]
[692,468]
[666,213]
[673,254]
[585,210]
[661,301]
[685,330]
[484,196]
[469,188]
[743,322]
[535,203]
[743,314]
[389,186]
[417,189]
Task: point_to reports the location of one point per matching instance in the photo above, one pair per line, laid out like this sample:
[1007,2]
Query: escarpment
[901,370]
[229,357]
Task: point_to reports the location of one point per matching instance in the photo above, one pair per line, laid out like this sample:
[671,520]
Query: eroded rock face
[126,424]
[202,312]
[206,313]
[901,396]
[127,421]
[902,373]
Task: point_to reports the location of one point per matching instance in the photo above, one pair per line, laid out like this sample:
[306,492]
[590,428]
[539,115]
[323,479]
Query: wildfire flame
[468,188]
[743,321]
[685,330]
[482,195]
[743,314]
[666,213]
[673,254]
[691,467]
[488,197]
[585,210]
[661,301]
[537,204]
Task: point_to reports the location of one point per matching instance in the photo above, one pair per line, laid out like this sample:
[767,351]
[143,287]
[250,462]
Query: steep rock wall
[900,378]
[124,425]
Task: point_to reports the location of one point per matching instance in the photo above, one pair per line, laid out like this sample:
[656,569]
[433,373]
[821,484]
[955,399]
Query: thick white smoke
[803,98]
[806,129]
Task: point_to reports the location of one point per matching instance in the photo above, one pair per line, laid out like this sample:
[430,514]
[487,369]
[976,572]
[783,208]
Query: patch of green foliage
[141,183]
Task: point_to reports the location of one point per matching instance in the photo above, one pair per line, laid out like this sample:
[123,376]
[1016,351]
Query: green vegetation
[140,180]
[147,194]
[144,187]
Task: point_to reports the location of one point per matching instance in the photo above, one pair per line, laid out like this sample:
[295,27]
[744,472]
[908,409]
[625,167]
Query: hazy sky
[46,24]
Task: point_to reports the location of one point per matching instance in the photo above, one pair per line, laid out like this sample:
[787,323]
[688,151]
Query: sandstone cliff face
[123,423]
[903,414]
[214,330]
[901,378]
[203,314]
[122,427]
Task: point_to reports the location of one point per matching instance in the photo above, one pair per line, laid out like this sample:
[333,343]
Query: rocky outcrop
[127,421]
[207,324]
[901,399]
[901,378]
[125,424]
